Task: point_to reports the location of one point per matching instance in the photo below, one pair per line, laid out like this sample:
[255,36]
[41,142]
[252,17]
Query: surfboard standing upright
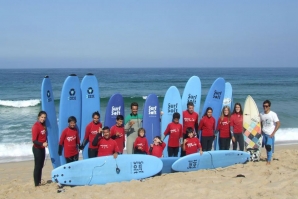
[70,105]
[115,107]
[252,128]
[90,104]
[151,117]
[214,100]
[48,105]
[171,104]
[192,93]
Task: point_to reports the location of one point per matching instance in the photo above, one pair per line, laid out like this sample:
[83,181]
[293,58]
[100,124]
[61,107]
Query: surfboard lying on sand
[48,105]
[70,105]
[171,104]
[102,170]
[151,117]
[90,104]
[252,128]
[210,160]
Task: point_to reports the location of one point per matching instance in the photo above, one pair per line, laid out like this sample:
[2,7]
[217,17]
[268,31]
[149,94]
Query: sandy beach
[279,180]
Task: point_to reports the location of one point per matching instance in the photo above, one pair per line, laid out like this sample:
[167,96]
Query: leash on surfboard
[93,171]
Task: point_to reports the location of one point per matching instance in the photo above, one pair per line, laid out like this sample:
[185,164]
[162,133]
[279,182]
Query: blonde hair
[223,114]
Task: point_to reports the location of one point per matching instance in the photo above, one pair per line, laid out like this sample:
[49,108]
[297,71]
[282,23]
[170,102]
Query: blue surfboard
[151,117]
[210,160]
[115,107]
[171,104]
[48,105]
[192,93]
[214,100]
[167,164]
[102,170]
[227,101]
[70,105]
[90,104]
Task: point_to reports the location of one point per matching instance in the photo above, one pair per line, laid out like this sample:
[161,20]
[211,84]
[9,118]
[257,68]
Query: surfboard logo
[116,110]
[152,110]
[192,98]
[172,108]
[72,93]
[137,167]
[192,164]
[90,93]
[49,96]
[217,94]
[227,101]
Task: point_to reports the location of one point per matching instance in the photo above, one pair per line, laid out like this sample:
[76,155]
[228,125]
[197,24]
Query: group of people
[111,141]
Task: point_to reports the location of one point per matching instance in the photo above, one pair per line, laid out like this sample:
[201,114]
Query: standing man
[190,119]
[270,124]
[133,122]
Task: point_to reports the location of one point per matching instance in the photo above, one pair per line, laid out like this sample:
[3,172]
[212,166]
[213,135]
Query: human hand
[99,130]
[115,155]
[131,122]
[151,145]
[45,144]
[233,139]
[201,152]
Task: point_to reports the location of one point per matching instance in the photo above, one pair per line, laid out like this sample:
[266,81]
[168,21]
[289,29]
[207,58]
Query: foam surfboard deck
[102,170]
[167,164]
[115,107]
[48,105]
[70,105]
[151,117]
[227,101]
[90,104]
[192,93]
[214,99]
[171,104]
[251,124]
[210,160]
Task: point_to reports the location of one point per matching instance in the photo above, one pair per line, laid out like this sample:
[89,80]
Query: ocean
[20,91]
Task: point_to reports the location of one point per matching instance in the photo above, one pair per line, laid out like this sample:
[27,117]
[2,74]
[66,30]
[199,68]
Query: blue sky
[168,33]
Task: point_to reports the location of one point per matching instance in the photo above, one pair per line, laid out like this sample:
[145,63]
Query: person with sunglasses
[269,124]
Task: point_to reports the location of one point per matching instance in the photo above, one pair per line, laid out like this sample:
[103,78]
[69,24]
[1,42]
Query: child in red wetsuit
[92,129]
[174,131]
[236,127]
[191,144]
[70,140]
[223,126]
[141,145]
[157,147]
[106,145]
[207,126]
[118,133]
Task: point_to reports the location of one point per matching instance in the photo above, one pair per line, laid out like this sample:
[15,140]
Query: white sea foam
[20,103]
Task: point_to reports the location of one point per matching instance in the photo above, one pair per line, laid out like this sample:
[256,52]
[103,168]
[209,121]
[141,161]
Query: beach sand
[278,180]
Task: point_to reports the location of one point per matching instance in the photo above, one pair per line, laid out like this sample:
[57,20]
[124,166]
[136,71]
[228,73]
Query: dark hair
[96,113]
[209,108]
[142,129]
[157,137]
[44,123]
[176,115]
[241,111]
[134,104]
[119,117]
[267,102]
[72,119]
[190,104]
[189,130]
[106,128]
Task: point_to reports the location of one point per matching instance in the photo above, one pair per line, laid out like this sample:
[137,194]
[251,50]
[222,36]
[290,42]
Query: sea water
[20,91]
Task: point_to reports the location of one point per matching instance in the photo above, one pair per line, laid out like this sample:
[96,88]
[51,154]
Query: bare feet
[268,163]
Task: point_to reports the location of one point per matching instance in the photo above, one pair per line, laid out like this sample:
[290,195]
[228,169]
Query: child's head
[156,140]
[119,120]
[208,112]
[72,121]
[190,132]
[95,117]
[141,132]
[176,117]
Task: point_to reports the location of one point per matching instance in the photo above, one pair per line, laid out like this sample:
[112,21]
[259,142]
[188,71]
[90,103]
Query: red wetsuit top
[158,149]
[236,122]
[141,142]
[189,120]
[91,132]
[174,130]
[192,145]
[39,135]
[120,139]
[106,147]
[223,126]
[69,140]
[207,126]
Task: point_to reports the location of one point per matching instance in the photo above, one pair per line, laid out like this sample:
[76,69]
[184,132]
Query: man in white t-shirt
[270,124]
